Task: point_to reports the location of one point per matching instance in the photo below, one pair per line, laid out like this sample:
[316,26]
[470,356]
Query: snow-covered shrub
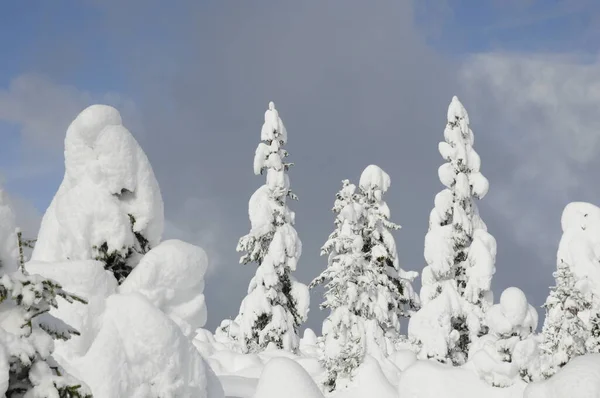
[510,349]
[363,280]
[459,252]
[108,207]
[572,326]
[276,304]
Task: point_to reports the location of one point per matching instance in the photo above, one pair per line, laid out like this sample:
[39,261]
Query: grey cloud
[355,84]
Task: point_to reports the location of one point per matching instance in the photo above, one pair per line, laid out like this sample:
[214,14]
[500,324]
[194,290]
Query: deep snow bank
[580,378]
[429,379]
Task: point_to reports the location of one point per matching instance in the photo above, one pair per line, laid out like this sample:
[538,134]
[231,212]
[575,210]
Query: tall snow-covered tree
[459,252]
[108,206]
[27,330]
[342,346]
[276,304]
[394,297]
[364,283]
[571,327]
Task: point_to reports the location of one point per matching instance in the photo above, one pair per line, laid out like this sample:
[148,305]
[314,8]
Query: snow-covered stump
[108,206]
[572,324]
[509,351]
[366,290]
[276,304]
[459,252]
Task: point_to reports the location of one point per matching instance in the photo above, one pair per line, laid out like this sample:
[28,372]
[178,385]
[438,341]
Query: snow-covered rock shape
[139,353]
[276,304]
[572,324]
[579,378]
[459,252]
[510,350]
[109,205]
[8,237]
[283,376]
[171,276]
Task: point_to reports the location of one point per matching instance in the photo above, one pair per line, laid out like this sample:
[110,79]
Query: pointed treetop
[373,177]
[456,110]
[271,105]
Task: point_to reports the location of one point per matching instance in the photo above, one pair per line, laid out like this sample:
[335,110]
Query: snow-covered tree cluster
[106,301]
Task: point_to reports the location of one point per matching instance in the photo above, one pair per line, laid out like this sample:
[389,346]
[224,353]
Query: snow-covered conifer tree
[276,304]
[364,282]
[342,347]
[510,350]
[27,330]
[459,252]
[108,207]
[394,297]
[564,333]
[571,327]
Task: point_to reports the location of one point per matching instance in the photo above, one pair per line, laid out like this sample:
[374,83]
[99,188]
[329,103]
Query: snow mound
[144,354]
[429,379]
[283,376]
[109,195]
[8,236]
[373,177]
[369,381]
[171,276]
[579,378]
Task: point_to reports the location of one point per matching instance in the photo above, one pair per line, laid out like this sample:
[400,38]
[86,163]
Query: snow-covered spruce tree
[394,297]
[571,327]
[108,207]
[365,285]
[459,252]
[510,350]
[342,346]
[27,330]
[564,333]
[276,304]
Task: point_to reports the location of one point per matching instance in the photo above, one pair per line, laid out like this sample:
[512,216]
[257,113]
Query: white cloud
[43,109]
[543,113]
[197,221]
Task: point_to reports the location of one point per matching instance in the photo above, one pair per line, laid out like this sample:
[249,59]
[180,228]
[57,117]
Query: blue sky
[355,85]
